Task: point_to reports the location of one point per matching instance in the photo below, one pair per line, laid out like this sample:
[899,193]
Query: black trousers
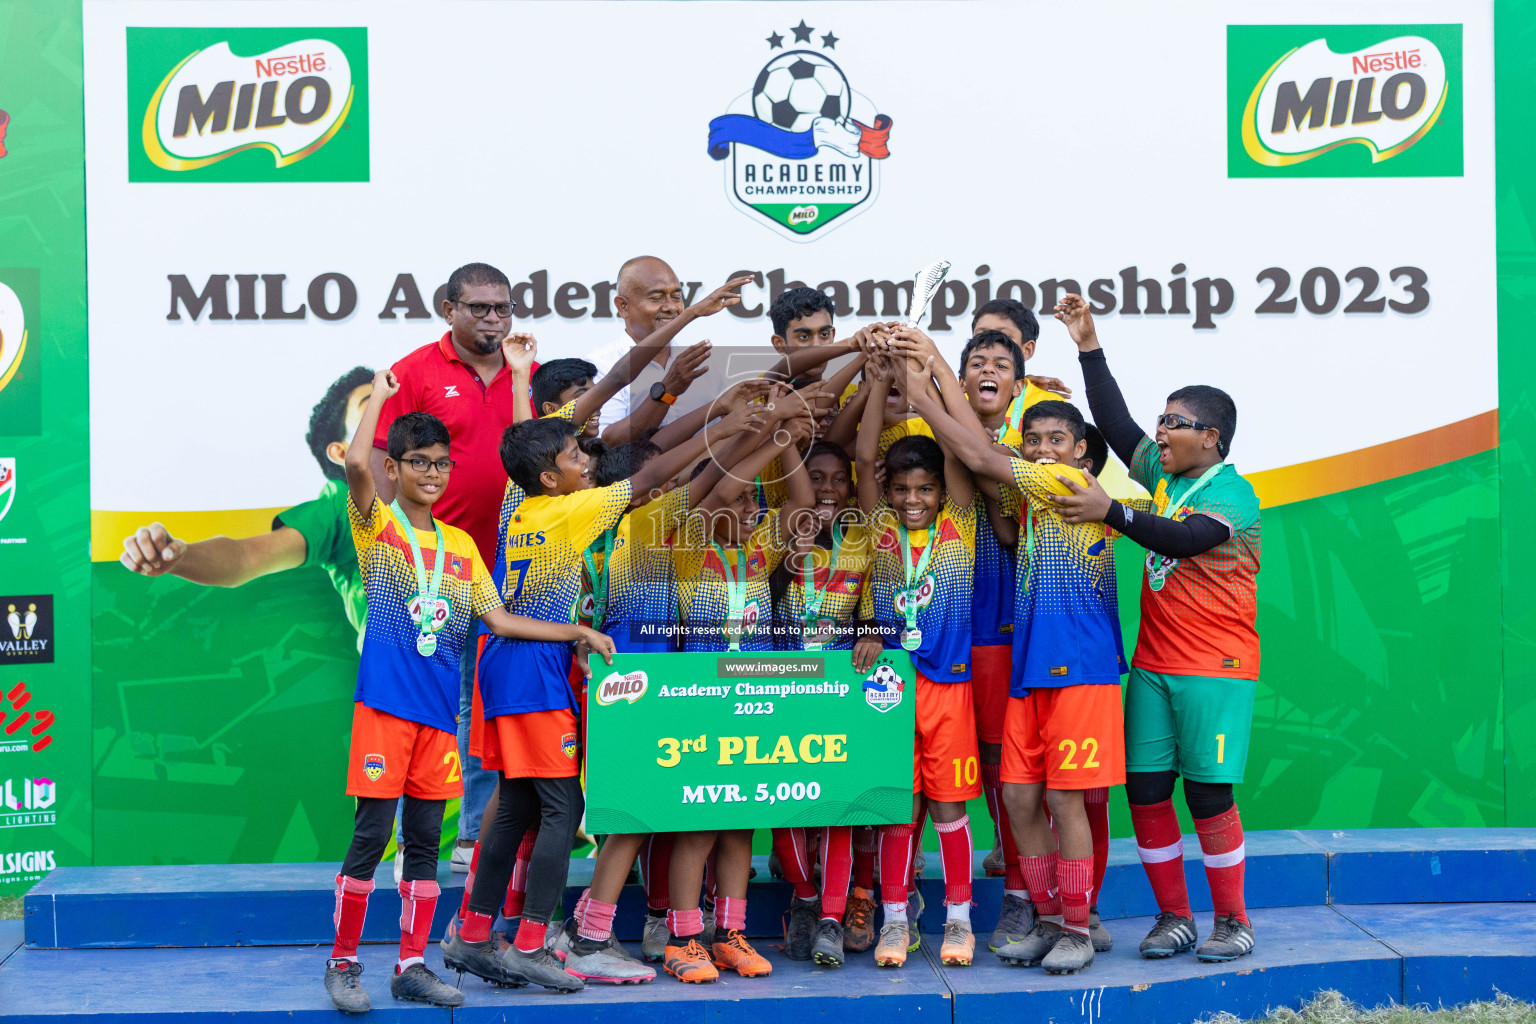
[555,806]
[421,822]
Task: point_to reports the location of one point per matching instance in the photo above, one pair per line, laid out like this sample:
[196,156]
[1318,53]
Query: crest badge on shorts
[797,155]
[568,745]
[373,766]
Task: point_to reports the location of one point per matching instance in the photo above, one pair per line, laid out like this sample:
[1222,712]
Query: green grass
[10,908]
[1332,1008]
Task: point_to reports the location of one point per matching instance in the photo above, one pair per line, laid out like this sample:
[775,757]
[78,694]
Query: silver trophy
[925,284]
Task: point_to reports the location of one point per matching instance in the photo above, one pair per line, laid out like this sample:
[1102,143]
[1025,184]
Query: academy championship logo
[801,149]
[883,688]
[248,104]
[618,687]
[1344,100]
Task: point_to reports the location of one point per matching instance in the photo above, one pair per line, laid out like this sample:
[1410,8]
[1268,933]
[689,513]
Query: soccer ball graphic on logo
[797,87]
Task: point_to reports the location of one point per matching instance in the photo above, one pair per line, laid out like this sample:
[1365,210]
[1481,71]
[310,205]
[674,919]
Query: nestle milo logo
[248,104]
[1344,100]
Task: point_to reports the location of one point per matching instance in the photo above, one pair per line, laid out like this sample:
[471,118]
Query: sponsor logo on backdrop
[26,865]
[630,687]
[1370,95]
[21,402]
[282,97]
[883,688]
[25,802]
[26,638]
[22,724]
[5,123]
[800,149]
[7,484]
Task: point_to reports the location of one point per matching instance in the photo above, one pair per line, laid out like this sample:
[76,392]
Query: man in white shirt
[648,296]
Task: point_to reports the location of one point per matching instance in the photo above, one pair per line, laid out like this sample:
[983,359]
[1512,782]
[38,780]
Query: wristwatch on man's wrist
[659,392]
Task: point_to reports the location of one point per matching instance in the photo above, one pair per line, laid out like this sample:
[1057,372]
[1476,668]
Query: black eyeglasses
[1173,421]
[420,464]
[479,309]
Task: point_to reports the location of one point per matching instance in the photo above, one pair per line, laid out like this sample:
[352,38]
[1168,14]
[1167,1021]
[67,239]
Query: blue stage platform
[1416,916]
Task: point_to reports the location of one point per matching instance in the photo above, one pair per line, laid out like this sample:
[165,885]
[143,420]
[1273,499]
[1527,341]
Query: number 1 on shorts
[1221,747]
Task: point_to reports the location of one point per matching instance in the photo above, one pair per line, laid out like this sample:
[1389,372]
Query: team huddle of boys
[895,507]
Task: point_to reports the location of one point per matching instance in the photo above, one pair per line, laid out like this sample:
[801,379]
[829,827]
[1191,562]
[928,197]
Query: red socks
[790,845]
[1096,803]
[865,842]
[895,862]
[351,909]
[476,927]
[513,907]
[991,786]
[1040,878]
[418,902]
[1221,839]
[655,862]
[1076,880]
[530,935]
[1162,855]
[955,851]
[836,870]
[469,881]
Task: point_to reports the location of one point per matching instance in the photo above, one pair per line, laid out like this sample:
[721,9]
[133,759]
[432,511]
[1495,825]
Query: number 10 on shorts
[967,773]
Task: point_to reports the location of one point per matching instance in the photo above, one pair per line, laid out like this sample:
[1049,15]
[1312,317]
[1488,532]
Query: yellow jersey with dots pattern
[840,587]
[392,676]
[703,591]
[545,538]
[942,596]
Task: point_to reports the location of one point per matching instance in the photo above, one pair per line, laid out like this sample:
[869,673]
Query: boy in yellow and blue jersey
[919,597]
[817,592]
[531,712]
[725,554]
[1063,732]
[404,733]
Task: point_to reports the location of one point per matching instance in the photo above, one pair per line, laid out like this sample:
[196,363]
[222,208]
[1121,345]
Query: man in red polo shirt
[463,379]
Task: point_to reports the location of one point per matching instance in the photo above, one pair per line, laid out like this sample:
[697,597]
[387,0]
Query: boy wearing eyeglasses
[425,583]
[1189,700]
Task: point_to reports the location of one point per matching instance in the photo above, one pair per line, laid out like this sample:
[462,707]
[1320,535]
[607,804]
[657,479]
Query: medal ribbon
[426,587]
[735,592]
[814,597]
[1172,508]
[599,579]
[916,572]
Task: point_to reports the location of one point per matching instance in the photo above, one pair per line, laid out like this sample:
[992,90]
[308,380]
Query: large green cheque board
[686,742]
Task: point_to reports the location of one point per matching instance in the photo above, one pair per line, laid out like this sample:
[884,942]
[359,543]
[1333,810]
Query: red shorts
[1069,737]
[534,745]
[391,756]
[945,762]
[991,671]
[478,732]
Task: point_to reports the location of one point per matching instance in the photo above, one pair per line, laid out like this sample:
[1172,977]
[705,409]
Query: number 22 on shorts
[451,759]
[1090,751]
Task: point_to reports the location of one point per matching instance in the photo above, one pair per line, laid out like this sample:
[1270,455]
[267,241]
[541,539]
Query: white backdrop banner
[335,161]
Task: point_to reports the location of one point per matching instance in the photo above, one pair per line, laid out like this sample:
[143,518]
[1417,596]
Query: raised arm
[958,481]
[653,476]
[867,444]
[216,561]
[801,496]
[629,365]
[520,350]
[1105,403]
[685,368]
[359,463]
[737,395]
[964,444]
